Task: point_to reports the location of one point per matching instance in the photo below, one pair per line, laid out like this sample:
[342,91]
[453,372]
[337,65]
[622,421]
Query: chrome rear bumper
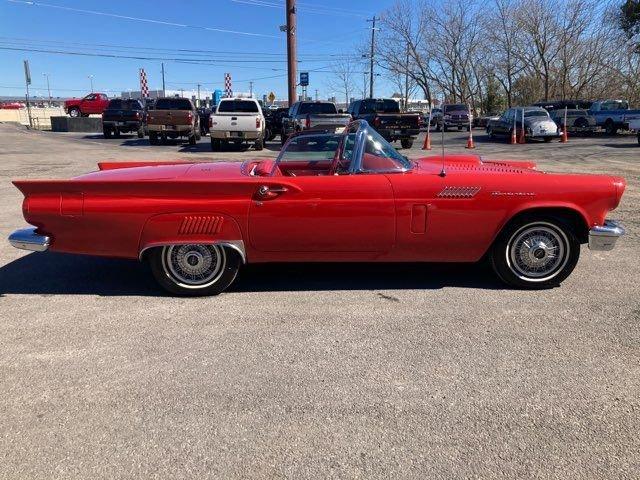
[28,239]
[604,237]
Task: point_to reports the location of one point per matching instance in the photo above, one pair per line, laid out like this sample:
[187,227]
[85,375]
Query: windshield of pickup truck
[245,106]
[456,108]
[536,113]
[124,105]
[379,106]
[173,104]
[315,108]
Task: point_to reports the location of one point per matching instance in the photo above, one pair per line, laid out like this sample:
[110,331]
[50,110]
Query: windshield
[380,106]
[380,156]
[246,106]
[314,108]
[536,113]
[455,107]
[311,148]
[124,105]
[173,104]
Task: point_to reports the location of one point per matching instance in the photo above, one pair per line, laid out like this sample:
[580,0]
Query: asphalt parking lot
[316,371]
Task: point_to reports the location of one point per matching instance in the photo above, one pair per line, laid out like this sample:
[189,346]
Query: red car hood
[470,163]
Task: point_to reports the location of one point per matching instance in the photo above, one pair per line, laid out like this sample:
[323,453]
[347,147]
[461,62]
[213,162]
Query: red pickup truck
[83,107]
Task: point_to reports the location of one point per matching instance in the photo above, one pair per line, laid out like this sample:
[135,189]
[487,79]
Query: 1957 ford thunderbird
[339,197]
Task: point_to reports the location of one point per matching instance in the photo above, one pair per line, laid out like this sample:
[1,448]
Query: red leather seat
[265,169]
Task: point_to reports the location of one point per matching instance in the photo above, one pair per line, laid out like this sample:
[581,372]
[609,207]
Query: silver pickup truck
[306,115]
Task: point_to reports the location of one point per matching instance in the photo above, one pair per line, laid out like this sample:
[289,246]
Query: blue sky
[326,28]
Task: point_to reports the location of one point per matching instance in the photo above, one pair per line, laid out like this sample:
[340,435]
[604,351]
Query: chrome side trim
[237,245]
[604,237]
[28,239]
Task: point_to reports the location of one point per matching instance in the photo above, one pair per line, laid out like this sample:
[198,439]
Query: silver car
[537,124]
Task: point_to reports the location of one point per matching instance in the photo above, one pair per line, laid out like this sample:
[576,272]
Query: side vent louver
[203,225]
[459,192]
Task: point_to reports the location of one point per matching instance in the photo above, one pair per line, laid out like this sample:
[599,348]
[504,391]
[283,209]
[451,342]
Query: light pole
[46,75]
[90,77]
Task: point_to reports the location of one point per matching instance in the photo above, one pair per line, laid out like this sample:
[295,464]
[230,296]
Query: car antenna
[443,172]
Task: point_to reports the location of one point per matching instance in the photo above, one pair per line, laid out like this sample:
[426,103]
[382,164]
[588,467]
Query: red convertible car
[339,197]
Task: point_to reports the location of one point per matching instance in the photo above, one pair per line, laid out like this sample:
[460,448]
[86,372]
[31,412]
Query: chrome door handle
[266,189]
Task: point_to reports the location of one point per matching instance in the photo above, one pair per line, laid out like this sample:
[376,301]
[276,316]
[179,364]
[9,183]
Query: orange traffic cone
[513,137]
[522,139]
[427,141]
[564,138]
[470,140]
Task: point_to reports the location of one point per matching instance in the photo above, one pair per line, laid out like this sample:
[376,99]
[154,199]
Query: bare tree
[343,77]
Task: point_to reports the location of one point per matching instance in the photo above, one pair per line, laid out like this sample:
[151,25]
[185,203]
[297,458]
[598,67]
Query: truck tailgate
[240,122]
[169,117]
[399,120]
[321,119]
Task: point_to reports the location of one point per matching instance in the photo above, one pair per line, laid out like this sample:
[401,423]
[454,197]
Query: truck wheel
[106,132]
[535,252]
[192,139]
[116,132]
[153,138]
[194,269]
[267,134]
[406,142]
[610,127]
[74,112]
[259,144]
[215,145]
[141,133]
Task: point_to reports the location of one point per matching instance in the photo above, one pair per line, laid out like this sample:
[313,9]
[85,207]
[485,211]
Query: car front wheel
[74,112]
[535,253]
[194,269]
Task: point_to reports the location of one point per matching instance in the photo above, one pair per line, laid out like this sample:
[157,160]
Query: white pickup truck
[237,120]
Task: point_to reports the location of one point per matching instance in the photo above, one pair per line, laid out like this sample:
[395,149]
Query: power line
[306,7]
[139,19]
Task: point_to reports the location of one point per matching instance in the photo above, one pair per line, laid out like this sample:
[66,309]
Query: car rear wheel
[610,127]
[535,253]
[406,142]
[194,269]
[106,132]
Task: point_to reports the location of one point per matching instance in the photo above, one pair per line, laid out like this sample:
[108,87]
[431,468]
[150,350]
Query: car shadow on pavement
[62,274]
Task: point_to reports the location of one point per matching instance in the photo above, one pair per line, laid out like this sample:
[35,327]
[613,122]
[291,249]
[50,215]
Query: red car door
[328,213]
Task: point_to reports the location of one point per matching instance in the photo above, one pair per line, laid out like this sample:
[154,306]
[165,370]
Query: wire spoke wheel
[194,265]
[537,252]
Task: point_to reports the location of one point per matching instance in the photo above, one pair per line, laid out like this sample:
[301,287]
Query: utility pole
[251,89]
[27,81]
[90,77]
[198,95]
[292,59]
[316,94]
[46,75]
[373,39]
[163,90]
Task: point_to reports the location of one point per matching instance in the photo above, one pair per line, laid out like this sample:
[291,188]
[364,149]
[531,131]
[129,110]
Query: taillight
[376,122]
[137,115]
[257,122]
[189,117]
[307,123]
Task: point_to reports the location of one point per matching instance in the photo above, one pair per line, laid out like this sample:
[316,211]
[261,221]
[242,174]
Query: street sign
[304,79]
[27,72]
[272,97]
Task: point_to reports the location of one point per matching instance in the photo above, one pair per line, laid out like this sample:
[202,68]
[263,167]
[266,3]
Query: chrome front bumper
[604,237]
[28,239]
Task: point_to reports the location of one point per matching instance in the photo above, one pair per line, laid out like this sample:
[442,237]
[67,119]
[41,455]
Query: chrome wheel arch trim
[237,245]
